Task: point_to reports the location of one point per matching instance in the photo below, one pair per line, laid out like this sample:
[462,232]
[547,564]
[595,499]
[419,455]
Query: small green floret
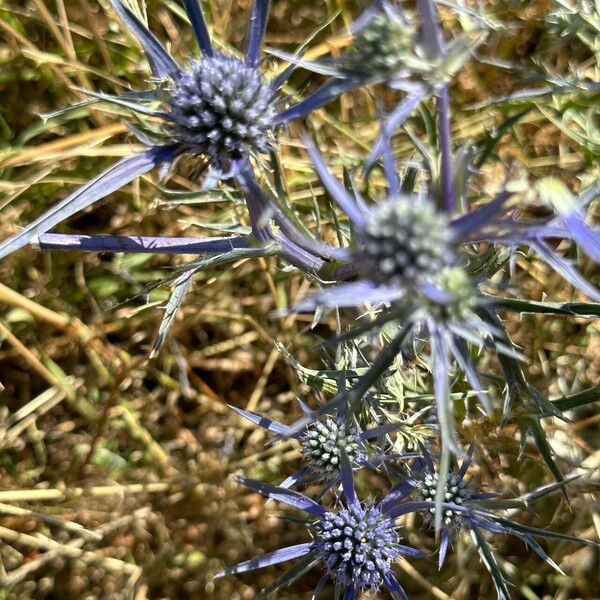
[383,45]
[458,284]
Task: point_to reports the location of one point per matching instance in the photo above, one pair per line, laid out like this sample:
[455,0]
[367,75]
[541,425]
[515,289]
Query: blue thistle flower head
[218,106]
[405,239]
[221,107]
[322,444]
[457,492]
[358,545]
[383,43]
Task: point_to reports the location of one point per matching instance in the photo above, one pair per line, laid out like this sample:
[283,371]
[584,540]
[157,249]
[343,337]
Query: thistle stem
[446,174]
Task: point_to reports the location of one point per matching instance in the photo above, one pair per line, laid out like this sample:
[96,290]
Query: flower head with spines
[322,442]
[358,545]
[405,239]
[457,492]
[382,44]
[221,107]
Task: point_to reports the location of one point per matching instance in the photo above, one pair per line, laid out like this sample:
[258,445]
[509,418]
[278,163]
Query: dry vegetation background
[113,467]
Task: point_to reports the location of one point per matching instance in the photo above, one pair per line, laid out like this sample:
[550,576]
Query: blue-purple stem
[446,174]
[435,46]
[432,35]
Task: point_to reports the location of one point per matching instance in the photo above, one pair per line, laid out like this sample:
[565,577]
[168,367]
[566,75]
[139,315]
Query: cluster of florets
[455,282]
[405,239]
[456,493]
[322,442]
[221,107]
[382,45]
[358,546]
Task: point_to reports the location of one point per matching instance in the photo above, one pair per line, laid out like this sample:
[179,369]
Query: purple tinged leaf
[266,560]
[161,62]
[350,593]
[588,239]
[444,543]
[488,525]
[140,244]
[394,120]
[398,493]
[565,269]
[326,93]
[436,294]
[107,182]
[369,434]
[193,9]
[483,495]
[411,552]
[262,421]
[294,478]
[475,220]
[289,497]
[256,30]
[355,293]
[428,460]
[432,35]
[303,406]
[334,188]
[320,586]
[389,164]
[447,185]
[394,587]
[465,465]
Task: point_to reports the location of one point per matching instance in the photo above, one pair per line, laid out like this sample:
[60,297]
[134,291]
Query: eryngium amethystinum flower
[464,509]
[219,107]
[404,239]
[357,545]
[322,443]
[456,493]
[222,107]
[405,243]
[383,44]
